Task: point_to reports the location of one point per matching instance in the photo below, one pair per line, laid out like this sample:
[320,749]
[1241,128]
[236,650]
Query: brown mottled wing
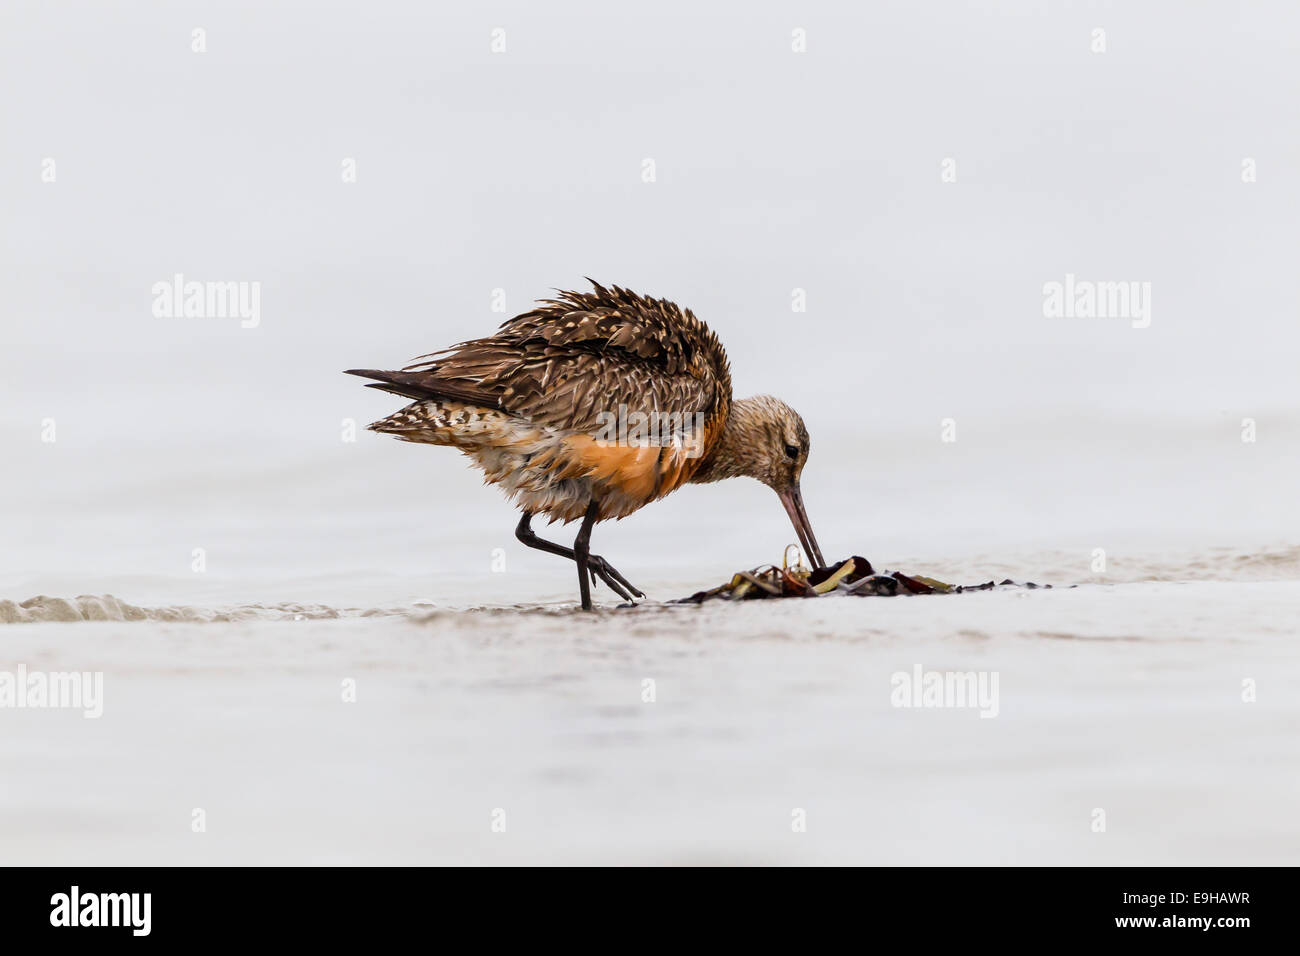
[584,353]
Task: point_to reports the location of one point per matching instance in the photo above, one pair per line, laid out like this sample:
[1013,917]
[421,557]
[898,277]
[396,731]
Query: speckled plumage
[525,403]
[531,406]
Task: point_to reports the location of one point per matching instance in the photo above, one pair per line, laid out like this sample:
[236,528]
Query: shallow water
[1126,698]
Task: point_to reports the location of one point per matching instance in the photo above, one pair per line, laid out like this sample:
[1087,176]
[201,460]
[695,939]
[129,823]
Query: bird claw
[602,569]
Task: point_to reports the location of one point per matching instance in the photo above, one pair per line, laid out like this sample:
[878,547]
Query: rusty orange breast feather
[629,476]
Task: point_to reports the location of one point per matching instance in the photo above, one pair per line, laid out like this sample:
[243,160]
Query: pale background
[775,171]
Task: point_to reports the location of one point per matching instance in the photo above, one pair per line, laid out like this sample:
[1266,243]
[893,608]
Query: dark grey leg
[597,565]
[582,551]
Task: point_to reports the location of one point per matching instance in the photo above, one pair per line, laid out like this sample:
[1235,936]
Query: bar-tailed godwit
[593,405]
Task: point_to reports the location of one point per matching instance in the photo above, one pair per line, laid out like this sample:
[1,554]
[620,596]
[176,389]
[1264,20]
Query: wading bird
[543,408]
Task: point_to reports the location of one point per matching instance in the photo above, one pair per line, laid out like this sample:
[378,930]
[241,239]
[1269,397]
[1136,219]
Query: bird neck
[732,455]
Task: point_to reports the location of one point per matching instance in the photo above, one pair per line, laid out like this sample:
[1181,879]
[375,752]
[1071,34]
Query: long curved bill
[792,498]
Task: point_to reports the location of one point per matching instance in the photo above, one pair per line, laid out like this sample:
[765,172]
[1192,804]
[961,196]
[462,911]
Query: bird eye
[791,451]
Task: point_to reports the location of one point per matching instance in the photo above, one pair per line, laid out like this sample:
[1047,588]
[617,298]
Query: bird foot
[600,568]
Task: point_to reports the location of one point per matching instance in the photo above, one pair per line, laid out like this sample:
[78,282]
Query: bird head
[765,438]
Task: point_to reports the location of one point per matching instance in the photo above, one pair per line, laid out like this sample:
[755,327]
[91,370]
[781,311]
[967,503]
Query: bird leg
[582,551]
[596,565]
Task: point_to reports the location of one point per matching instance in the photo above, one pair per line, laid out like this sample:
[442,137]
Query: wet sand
[1126,698]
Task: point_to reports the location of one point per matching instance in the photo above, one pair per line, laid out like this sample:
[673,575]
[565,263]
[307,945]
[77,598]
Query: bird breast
[546,470]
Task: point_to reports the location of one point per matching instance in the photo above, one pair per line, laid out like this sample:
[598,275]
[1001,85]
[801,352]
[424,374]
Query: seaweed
[852,576]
